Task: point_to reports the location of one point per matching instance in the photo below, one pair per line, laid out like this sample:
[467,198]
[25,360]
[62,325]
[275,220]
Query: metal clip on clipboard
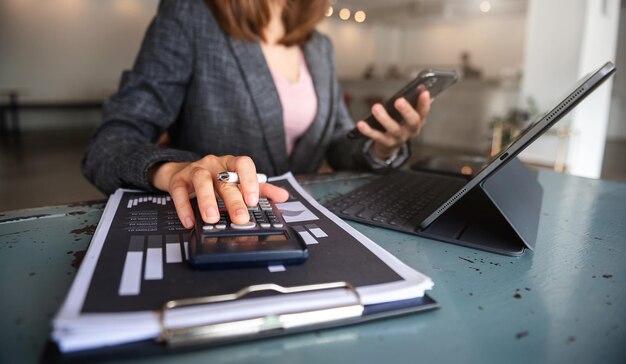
[258,325]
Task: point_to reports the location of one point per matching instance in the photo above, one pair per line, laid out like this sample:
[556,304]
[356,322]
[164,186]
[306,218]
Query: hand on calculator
[184,179]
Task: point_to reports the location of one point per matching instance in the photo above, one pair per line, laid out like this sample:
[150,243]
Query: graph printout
[137,261]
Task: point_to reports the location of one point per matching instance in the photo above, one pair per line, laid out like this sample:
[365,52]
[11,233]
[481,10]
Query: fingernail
[252,199]
[402,103]
[241,212]
[378,108]
[211,212]
[188,222]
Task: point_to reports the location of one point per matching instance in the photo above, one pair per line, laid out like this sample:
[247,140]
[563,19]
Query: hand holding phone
[433,81]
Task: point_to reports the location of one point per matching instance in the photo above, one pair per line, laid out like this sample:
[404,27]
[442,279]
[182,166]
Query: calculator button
[277,225]
[207,227]
[220,226]
[265,225]
[246,226]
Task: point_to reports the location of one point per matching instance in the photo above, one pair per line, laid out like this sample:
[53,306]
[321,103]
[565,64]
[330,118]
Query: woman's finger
[229,192]
[179,190]
[237,208]
[205,194]
[248,181]
[391,126]
[376,135]
[274,193]
[423,105]
[412,119]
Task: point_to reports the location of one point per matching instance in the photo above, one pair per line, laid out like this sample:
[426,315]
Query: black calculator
[264,240]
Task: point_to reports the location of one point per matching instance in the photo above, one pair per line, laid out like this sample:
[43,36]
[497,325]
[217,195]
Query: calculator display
[242,240]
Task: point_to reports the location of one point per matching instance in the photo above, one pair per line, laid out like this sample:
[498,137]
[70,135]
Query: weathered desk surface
[565,302]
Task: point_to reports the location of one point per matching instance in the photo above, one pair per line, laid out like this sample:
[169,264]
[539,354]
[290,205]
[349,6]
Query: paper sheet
[137,261]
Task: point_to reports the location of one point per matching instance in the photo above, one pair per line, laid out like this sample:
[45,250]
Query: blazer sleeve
[148,101]
[345,153]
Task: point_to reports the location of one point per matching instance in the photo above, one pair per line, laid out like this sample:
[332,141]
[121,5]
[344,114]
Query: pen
[232,177]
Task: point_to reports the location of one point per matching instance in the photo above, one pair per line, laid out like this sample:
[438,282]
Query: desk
[565,302]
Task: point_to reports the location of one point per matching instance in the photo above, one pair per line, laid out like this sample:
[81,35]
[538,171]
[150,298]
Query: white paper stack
[75,330]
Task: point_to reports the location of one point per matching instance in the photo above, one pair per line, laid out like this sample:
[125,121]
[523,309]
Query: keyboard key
[366,213]
[397,221]
[353,210]
[340,204]
[379,218]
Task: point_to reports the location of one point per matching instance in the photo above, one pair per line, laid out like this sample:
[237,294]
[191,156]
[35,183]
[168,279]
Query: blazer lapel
[322,76]
[265,99]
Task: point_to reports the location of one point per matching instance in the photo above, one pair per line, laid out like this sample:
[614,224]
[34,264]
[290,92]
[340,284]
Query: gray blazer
[215,95]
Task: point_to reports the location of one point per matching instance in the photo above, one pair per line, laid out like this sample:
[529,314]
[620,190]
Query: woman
[240,86]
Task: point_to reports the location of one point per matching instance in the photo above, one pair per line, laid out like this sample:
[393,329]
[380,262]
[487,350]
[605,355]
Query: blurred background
[60,59]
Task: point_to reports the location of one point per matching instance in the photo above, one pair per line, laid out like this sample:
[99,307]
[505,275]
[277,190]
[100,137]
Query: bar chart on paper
[147,256]
[153,258]
[149,252]
[150,249]
[144,258]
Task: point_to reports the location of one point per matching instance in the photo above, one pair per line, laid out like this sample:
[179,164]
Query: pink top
[299,103]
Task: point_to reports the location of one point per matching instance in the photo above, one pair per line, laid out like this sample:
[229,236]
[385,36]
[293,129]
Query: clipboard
[348,279]
[172,341]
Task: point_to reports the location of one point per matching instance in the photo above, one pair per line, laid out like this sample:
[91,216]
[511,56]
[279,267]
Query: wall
[429,44]
[67,50]
[599,43]
[76,49]
[557,55]
[617,118]
[549,68]
[358,45]
[72,50]
[442,43]
[460,118]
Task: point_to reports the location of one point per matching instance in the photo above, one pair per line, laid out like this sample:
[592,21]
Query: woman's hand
[396,134]
[183,179]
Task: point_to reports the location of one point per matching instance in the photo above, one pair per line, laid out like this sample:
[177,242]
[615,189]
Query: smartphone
[265,240]
[434,81]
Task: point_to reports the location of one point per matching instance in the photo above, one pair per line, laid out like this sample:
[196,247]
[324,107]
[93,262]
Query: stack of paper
[137,261]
